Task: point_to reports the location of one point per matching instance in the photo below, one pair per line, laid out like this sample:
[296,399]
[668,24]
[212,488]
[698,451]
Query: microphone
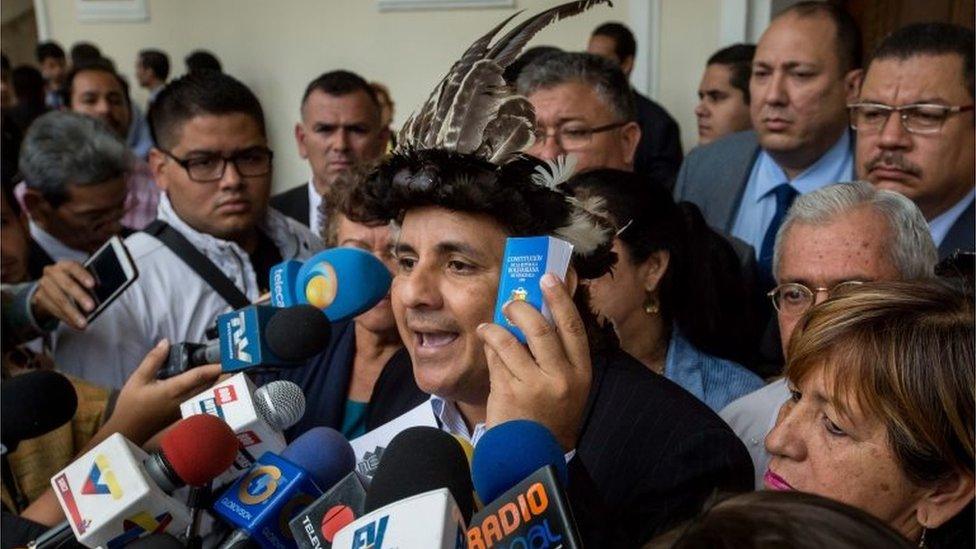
[260,504]
[315,526]
[254,336]
[257,416]
[520,469]
[33,404]
[420,496]
[116,493]
[156,541]
[341,282]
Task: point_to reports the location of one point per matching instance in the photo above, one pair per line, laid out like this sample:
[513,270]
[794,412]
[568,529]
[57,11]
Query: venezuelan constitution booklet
[526,259]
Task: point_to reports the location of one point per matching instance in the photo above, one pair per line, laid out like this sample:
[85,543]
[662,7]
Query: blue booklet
[525,261]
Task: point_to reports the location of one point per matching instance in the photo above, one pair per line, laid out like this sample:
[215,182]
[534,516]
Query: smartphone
[114,271]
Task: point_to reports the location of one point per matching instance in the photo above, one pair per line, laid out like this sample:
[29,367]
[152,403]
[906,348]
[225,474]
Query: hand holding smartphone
[113,270]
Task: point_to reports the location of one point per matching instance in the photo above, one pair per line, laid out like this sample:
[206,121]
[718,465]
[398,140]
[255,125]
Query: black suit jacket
[659,152]
[962,234]
[293,203]
[649,454]
[37,259]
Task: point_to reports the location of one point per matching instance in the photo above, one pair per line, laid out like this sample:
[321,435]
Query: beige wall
[276,47]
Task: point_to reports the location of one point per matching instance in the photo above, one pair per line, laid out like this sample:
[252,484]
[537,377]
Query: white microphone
[425,521]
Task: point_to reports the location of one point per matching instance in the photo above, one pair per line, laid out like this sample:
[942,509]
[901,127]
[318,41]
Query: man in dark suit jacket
[659,151]
[341,126]
[925,153]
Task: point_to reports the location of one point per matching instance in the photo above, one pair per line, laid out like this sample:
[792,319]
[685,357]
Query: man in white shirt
[341,127]
[839,235]
[212,161]
[925,151]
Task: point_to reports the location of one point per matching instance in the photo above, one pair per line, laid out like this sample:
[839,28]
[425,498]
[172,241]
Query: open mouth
[435,340]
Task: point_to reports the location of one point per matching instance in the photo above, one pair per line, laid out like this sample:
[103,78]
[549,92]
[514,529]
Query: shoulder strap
[198,262]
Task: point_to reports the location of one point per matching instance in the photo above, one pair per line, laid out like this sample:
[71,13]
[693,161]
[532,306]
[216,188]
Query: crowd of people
[767,340]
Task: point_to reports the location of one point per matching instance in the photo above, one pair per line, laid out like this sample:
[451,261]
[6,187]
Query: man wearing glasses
[583,107]
[213,164]
[833,238]
[923,74]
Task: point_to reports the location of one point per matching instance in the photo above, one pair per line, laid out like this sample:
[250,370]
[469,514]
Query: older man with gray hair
[839,236]
[74,168]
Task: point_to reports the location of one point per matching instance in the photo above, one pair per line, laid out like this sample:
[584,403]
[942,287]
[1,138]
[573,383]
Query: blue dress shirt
[715,381]
[940,225]
[758,204]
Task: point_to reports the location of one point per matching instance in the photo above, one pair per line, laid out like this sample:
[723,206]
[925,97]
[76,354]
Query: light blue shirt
[714,381]
[940,225]
[758,205]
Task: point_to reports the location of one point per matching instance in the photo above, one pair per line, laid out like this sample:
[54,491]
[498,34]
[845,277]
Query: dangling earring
[651,304]
[921,542]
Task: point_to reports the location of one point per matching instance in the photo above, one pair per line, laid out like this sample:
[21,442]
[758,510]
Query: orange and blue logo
[259,485]
[321,285]
[101,479]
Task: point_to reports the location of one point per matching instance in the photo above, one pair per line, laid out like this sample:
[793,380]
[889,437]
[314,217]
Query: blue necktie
[785,194]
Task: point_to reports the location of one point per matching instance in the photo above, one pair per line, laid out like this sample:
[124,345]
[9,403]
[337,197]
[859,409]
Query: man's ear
[631,135]
[852,84]
[656,265]
[157,160]
[300,140]
[627,65]
[945,501]
[36,206]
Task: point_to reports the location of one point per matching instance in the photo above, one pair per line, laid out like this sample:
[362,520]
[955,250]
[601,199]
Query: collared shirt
[168,299]
[452,422]
[940,225]
[54,247]
[153,93]
[758,205]
[714,381]
[316,221]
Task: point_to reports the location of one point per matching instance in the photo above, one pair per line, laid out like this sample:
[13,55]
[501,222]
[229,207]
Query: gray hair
[63,148]
[603,75]
[910,248]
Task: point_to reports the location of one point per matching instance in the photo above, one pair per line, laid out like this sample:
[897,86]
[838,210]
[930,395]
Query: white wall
[277,47]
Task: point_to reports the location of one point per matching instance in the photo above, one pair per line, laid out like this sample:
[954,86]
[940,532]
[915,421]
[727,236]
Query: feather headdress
[473,113]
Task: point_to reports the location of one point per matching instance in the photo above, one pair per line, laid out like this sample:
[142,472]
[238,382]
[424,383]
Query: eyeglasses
[919,118]
[795,299]
[207,169]
[573,138]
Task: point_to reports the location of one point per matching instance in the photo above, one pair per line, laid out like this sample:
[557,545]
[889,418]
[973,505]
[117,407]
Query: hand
[549,382]
[63,293]
[147,405]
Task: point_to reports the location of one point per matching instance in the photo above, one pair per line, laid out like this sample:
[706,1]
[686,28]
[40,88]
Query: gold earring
[651,304]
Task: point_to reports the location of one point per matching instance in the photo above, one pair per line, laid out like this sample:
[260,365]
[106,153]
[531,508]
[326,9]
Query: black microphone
[257,335]
[33,404]
[156,541]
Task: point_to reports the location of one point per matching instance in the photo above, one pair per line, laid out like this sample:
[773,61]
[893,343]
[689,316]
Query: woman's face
[375,240]
[815,448]
[620,294]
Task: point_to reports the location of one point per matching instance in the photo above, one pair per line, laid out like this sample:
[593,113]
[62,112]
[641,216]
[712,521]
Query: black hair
[931,39]
[849,49]
[601,74]
[624,45]
[703,290]
[339,83]
[738,58]
[28,85]
[82,52]
[202,60]
[199,93]
[48,49]
[157,61]
[469,184]
[98,64]
[514,69]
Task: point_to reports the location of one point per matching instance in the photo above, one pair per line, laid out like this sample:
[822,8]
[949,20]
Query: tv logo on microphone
[239,338]
[321,285]
[259,485]
[101,479]
[138,525]
[370,536]
[517,523]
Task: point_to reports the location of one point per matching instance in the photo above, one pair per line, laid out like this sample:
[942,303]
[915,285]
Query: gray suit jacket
[714,176]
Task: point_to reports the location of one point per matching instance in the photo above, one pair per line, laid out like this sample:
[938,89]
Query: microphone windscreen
[323,453]
[199,448]
[510,452]
[297,333]
[418,460]
[280,404]
[343,282]
[33,404]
